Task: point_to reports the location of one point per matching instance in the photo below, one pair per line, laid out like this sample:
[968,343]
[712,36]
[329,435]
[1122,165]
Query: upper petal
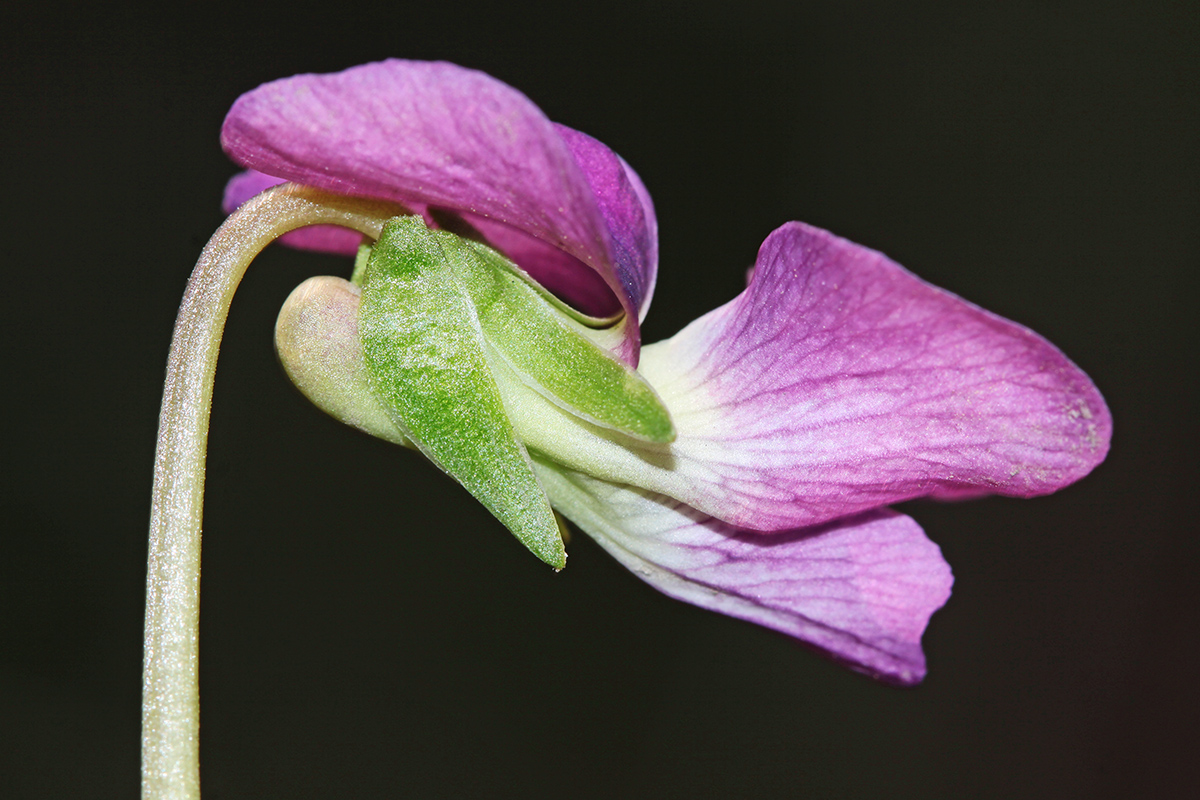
[449,137]
[861,589]
[838,382]
[628,212]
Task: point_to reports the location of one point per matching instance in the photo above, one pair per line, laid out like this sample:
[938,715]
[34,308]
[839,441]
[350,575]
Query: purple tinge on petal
[839,382]
[650,234]
[243,186]
[322,238]
[438,135]
[861,589]
[626,206]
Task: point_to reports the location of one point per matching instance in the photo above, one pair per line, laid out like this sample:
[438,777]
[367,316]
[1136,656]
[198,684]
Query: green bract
[440,317]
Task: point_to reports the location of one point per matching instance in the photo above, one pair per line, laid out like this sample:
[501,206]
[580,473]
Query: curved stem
[170,692]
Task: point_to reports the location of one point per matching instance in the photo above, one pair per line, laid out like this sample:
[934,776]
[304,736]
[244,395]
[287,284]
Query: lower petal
[860,589]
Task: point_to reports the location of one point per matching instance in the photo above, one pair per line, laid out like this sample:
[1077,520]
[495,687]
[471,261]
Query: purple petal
[243,186]
[861,589]
[839,382]
[322,238]
[628,211]
[441,136]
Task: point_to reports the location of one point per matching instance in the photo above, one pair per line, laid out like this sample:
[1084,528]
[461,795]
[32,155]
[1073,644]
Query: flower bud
[316,337]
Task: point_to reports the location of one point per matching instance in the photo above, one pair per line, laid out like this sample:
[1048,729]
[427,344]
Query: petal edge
[861,590]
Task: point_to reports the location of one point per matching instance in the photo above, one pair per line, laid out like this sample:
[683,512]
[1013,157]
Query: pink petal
[628,211]
[322,238]
[861,589]
[839,382]
[438,135]
[243,186]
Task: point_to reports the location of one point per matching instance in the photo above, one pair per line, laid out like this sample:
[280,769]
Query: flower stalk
[170,691]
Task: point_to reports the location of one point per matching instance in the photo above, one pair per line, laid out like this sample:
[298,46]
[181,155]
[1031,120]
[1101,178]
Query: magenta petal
[322,238]
[839,382]
[626,206]
[439,135]
[861,589]
[243,186]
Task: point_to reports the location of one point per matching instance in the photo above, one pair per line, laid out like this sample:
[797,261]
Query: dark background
[369,631]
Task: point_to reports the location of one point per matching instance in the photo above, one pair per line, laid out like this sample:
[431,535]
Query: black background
[368,630]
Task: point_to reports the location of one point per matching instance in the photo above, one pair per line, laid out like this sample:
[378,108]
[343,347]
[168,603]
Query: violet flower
[746,465]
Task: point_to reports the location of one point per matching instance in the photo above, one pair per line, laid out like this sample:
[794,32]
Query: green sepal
[359,274]
[555,349]
[554,354]
[427,358]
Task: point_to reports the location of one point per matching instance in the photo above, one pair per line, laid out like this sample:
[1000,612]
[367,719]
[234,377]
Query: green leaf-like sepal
[552,352]
[427,358]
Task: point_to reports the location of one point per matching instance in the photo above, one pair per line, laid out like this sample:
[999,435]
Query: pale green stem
[170,693]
